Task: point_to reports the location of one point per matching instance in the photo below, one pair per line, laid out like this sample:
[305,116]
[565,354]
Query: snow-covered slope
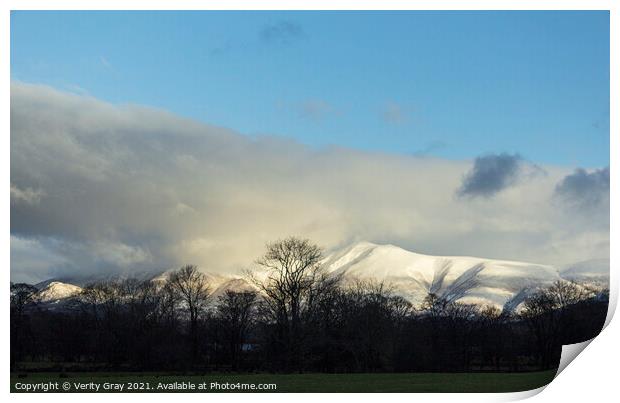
[85,280]
[235,284]
[457,278]
[56,290]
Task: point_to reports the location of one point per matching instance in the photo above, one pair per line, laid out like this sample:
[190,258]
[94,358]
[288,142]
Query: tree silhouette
[293,275]
[236,313]
[22,296]
[193,293]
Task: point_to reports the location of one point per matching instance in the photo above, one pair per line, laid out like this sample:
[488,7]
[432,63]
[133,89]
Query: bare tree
[491,321]
[546,313]
[374,318]
[539,312]
[101,298]
[360,326]
[22,295]
[193,292]
[566,293]
[103,302]
[235,310]
[433,305]
[169,301]
[293,276]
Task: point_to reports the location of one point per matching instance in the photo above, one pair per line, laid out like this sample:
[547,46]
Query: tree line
[295,318]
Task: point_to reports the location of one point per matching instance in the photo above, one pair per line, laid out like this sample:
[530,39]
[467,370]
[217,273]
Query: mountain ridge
[501,283]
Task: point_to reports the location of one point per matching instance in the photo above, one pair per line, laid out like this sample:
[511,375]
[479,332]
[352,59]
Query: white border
[311,5]
[592,377]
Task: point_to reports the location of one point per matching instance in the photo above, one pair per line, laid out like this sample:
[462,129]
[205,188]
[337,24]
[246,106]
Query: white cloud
[125,187]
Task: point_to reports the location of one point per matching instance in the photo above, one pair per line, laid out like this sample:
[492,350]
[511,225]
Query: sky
[143,141]
[447,84]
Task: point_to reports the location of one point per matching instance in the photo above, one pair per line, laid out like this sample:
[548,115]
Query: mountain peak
[57,290]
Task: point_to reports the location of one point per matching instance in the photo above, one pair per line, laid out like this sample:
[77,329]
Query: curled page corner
[501,397]
[569,353]
[527,393]
[613,300]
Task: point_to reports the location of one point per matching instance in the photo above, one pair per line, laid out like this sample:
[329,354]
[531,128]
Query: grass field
[417,382]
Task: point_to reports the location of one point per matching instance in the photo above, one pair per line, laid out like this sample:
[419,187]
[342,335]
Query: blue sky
[448,84]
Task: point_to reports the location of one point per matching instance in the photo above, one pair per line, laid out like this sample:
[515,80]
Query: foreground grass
[410,382]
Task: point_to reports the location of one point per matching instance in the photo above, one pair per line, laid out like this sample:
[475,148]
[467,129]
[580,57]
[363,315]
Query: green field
[410,382]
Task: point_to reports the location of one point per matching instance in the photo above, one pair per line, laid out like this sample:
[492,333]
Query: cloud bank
[100,188]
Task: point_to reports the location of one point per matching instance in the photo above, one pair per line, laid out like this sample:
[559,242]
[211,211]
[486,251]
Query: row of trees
[295,318]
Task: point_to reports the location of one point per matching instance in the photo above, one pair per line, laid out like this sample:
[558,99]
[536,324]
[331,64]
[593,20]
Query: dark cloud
[491,174]
[281,33]
[583,189]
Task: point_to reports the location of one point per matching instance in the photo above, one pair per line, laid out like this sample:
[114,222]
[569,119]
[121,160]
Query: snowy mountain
[456,278]
[56,290]
[84,280]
